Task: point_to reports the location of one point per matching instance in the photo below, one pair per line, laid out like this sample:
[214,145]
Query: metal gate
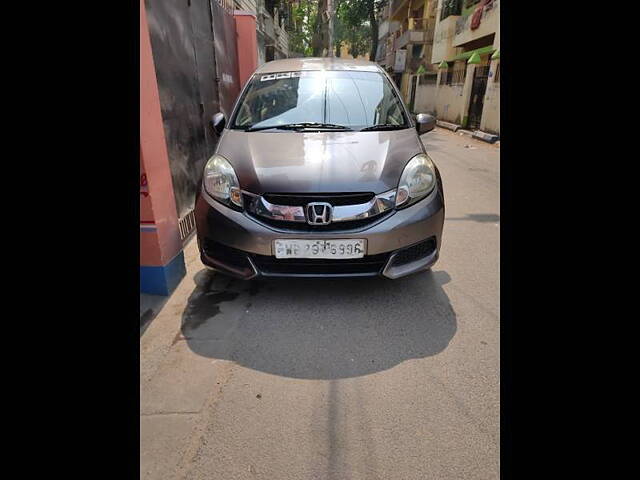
[478,89]
[194,51]
[228,81]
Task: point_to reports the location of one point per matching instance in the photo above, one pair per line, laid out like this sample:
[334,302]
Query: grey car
[320,172]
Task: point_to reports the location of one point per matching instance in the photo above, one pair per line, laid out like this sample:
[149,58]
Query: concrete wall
[452,101]
[442,39]
[161,258]
[425,96]
[449,101]
[490,121]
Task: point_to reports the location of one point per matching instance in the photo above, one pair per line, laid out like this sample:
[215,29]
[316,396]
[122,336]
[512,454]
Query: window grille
[450,7]
[446,76]
[459,73]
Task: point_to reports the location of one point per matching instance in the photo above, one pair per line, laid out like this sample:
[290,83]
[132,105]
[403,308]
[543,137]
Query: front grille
[415,252]
[301,200]
[335,199]
[228,255]
[367,265]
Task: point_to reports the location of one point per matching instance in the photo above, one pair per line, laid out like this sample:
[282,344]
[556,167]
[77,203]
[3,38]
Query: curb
[487,137]
[449,126]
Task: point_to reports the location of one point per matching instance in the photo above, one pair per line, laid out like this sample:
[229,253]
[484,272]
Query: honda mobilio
[320,172]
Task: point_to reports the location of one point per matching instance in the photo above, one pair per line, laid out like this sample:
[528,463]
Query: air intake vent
[415,252]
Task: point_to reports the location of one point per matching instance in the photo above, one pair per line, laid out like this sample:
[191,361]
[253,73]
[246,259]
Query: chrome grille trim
[341,213]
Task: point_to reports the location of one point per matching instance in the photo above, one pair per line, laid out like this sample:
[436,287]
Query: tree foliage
[303,20]
[355,24]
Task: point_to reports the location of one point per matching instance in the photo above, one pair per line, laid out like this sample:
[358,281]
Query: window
[496,78]
[428,79]
[450,7]
[353,99]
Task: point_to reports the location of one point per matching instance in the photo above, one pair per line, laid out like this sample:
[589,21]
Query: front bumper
[404,242]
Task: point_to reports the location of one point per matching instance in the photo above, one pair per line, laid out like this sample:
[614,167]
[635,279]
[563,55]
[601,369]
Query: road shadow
[150,306]
[478,217]
[318,328]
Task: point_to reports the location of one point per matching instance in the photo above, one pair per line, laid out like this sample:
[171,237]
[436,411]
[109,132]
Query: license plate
[292,248]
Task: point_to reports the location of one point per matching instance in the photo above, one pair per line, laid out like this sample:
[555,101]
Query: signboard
[401,60]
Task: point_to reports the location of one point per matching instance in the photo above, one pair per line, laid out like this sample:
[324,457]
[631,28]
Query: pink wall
[247,45]
[159,235]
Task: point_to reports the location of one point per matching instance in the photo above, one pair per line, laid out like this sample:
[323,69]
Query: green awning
[467,55]
[496,55]
[443,65]
[475,58]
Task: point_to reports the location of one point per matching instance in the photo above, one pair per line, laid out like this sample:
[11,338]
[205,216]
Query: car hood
[319,162]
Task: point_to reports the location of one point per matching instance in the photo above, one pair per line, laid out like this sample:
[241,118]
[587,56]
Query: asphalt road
[337,379]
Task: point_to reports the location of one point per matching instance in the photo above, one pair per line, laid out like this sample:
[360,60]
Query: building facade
[272,37]
[406,32]
[466,52]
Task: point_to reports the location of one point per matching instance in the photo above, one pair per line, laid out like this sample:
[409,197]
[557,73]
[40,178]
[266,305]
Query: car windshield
[350,99]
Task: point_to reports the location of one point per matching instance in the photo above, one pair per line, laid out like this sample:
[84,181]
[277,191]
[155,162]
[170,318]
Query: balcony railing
[415,30]
[414,36]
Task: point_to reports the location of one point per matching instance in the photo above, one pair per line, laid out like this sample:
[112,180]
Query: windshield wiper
[299,126]
[384,126]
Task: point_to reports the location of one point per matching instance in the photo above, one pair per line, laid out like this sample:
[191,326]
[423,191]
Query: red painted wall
[247,45]
[159,234]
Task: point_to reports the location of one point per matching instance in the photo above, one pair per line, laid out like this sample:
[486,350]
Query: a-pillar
[161,257]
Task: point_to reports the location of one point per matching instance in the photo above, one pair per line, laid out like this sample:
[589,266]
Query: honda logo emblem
[319,213]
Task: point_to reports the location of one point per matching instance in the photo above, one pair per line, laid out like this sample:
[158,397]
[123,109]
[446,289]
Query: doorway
[478,89]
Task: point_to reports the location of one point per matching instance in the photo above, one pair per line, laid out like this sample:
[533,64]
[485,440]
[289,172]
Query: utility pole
[330,49]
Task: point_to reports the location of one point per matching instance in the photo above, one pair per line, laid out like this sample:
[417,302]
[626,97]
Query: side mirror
[218,122]
[425,123]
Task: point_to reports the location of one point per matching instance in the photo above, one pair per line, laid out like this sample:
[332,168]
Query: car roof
[317,63]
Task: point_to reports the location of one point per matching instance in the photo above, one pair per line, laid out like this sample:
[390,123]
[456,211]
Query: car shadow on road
[318,328]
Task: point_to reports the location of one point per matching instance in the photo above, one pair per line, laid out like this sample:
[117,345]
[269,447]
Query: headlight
[221,182]
[417,181]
